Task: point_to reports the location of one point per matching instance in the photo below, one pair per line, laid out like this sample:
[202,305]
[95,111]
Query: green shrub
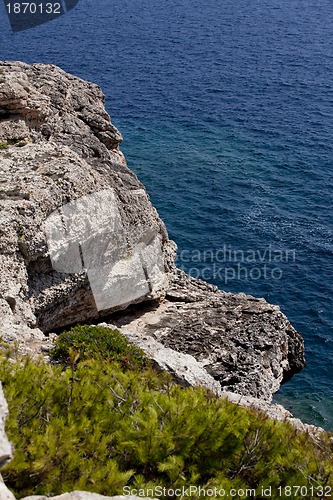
[3,145]
[97,342]
[99,428]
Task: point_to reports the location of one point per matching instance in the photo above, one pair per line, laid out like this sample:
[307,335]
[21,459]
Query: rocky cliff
[79,236]
[80,240]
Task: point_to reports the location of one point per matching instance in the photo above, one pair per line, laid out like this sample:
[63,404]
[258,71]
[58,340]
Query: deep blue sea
[226,109]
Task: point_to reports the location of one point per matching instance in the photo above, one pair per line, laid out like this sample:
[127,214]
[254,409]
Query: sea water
[226,109]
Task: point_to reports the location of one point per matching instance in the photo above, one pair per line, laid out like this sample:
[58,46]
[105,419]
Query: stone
[79,237]
[244,343]
[184,368]
[5,494]
[188,372]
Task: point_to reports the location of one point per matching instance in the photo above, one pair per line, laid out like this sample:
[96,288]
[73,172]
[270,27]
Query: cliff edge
[80,240]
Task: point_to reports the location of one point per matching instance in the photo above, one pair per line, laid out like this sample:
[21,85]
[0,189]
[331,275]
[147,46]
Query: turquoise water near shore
[227,117]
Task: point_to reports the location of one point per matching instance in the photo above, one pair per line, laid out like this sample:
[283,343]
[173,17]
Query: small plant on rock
[97,342]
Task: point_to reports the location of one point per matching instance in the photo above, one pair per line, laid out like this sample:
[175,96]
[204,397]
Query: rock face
[184,368]
[79,240]
[78,234]
[188,372]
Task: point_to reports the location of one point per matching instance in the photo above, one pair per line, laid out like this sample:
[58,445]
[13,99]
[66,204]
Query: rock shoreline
[81,241]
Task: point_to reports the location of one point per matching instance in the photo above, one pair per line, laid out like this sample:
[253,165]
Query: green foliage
[3,145]
[97,342]
[98,428]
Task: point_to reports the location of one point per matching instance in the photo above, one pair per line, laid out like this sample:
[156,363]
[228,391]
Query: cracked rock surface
[244,343]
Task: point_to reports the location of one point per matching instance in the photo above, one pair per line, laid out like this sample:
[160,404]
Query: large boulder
[79,237]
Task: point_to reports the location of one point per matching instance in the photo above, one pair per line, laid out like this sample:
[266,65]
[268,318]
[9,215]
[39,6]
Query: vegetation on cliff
[91,423]
[97,342]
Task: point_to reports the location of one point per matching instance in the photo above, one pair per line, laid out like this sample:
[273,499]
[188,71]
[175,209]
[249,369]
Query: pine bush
[99,428]
[97,342]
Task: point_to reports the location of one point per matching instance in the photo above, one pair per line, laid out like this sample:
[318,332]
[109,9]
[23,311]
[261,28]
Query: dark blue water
[227,114]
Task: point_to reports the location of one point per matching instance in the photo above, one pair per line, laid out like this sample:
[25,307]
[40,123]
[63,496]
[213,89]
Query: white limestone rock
[5,448]
[5,494]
